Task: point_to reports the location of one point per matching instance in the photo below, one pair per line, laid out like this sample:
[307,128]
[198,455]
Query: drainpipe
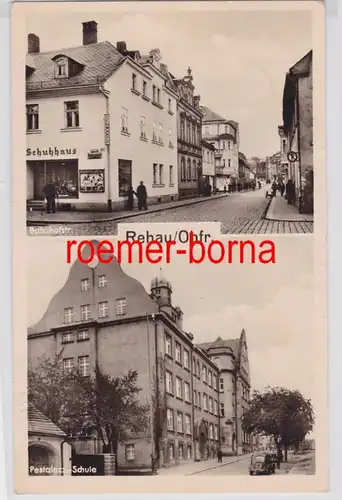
[299,152]
[109,201]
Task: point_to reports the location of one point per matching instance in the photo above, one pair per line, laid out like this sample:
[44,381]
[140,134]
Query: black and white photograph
[218,130]
[131,373]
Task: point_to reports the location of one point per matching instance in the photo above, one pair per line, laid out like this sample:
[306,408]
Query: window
[223,144]
[199,400]
[171,175]
[211,431]
[102,281]
[67,337]
[178,387]
[61,68]
[85,312]
[204,374]
[205,402]
[169,105]
[182,130]
[179,422]
[68,315]
[229,162]
[161,176]
[187,424]
[180,452]
[198,370]
[216,432]
[154,93]
[226,129]
[168,344]
[228,144]
[215,408]
[154,132]
[214,381]
[171,451]
[169,384]
[195,398]
[144,89]
[169,415]
[206,130]
[189,453]
[194,365]
[158,96]
[210,405]
[186,359]
[155,168]
[85,285]
[170,138]
[284,145]
[103,309]
[121,307]
[177,352]
[83,366]
[224,162]
[143,127]
[160,134]
[187,392]
[124,176]
[72,114]
[68,365]
[134,81]
[32,117]
[221,410]
[124,120]
[221,384]
[83,335]
[210,379]
[130,451]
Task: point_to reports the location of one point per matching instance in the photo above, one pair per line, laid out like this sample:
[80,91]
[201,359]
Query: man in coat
[50,191]
[142,196]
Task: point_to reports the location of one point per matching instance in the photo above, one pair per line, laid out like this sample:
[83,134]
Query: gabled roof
[99,61]
[232,344]
[40,424]
[303,66]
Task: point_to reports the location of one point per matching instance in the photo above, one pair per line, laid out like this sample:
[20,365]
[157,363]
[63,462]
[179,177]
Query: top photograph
[179,116]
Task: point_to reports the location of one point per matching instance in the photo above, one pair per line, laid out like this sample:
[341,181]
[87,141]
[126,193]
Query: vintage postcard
[172,323]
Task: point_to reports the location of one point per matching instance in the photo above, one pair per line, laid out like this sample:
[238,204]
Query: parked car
[262,464]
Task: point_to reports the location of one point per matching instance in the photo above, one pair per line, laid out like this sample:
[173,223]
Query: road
[239,468]
[240,213]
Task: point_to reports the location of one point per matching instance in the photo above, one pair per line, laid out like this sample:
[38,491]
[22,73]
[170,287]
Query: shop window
[125,176]
[121,307]
[72,114]
[32,117]
[83,366]
[130,452]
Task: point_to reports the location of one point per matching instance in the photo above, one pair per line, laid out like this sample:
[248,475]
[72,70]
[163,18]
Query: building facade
[104,317]
[114,125]
[224,135]
[189,137]
[297,130]
[208,162]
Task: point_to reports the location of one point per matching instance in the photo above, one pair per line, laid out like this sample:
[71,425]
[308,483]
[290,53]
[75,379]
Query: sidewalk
[188,469]
[38,218]
[279,210]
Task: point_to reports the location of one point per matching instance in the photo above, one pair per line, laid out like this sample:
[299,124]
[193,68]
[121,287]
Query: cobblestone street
[241,213]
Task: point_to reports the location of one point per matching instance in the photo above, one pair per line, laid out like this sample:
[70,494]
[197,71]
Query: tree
[281,413]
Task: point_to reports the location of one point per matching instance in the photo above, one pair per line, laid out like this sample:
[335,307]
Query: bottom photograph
[180,369]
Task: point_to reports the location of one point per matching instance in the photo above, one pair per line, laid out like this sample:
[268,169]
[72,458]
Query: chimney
[122,47]
[89,32]
[33,44]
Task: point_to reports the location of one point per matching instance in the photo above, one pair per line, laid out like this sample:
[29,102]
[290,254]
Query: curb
[152,210]
[273,219]
[218,466]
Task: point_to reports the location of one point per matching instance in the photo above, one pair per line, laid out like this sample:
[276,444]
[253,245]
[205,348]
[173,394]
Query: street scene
[142,132]
[129,374]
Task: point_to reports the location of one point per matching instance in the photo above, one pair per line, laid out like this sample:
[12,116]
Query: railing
[63,82]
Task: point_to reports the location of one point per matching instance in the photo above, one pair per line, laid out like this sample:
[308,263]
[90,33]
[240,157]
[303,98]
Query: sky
[239,59]
[273,303]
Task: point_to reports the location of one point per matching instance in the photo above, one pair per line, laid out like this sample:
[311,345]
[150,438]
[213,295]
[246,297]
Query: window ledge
[143,138]
[171,146]
[179,398]
[83,340]
[35,131]
[170,112]
[136,92]
[157,104]
[126,134]
[159,186]
[146,98]
[172,185]
[71,129]
[158,143]
[67,341]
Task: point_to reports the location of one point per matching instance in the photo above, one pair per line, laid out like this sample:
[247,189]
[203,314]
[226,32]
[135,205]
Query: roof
[211,116]
[233,344]
[99,61]
[40,424]
[208,145]
[303,66]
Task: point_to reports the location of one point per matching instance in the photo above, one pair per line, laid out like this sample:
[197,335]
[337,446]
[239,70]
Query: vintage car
[262,464]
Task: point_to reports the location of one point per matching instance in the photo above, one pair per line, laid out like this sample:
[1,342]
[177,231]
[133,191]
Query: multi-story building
[104,317]
[284,162]
[243,166]
[208,162]
[224,135]
[297,130]
[189,138]
[273,167]
[99,119]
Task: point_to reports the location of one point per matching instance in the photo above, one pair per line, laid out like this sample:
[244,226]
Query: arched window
[183,172]
[194,171]
[188,170]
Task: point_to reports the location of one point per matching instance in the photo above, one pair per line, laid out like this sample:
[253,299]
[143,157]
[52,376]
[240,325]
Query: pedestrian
[224,189]
[130,198]
[274,188]
[219,455]
[282,188]
[142,196]
[290,192]
[50,191]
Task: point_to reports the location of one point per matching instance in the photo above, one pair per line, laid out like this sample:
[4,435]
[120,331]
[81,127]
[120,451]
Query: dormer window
[61,67]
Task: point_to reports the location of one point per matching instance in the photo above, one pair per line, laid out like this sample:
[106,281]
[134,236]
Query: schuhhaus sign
[50,152]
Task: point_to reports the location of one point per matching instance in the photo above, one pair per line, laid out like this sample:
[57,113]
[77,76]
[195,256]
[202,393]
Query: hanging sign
[292,156]
[107,129]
